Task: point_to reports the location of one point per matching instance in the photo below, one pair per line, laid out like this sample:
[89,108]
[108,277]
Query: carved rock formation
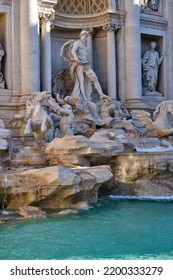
[32,212]
[52,187]
[73,151]
[142,174]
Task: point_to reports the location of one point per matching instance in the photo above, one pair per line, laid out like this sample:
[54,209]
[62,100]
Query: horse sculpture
[162,122]
[36,118]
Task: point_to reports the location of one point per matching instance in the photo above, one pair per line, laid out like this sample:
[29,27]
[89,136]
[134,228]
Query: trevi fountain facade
[86,102]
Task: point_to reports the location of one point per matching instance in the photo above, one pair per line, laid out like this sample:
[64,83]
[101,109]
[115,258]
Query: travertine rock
[5,136]
[28,156]
[32,212]
[53,187]
[142,174]
[73,151]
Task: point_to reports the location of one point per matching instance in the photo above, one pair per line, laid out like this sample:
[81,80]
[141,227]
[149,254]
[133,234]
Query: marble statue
[67,120]
[161,124]
[75,52]
[150,65]
[36,118]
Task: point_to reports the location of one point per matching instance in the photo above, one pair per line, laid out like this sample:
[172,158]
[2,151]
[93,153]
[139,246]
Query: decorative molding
[109,27]
[46,6]
[46,11]
[153,23]
[46,16]
[87,21]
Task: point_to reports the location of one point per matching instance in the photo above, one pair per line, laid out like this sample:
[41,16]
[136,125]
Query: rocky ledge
[53,187]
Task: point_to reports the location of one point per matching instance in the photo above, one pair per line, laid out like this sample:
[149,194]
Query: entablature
[153,22]
[46,6]
[89,20]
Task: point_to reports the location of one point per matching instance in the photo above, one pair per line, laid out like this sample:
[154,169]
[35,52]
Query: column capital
[47,17]
[111,27]
[92,31]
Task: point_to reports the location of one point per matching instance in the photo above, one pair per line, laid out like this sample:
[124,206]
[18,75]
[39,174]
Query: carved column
[133,55]
[121,69]
[111,61]
[30,54]
[46,76]
[90,46]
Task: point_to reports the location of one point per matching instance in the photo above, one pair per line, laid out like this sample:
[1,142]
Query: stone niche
[61,80]
[70,18]
[158,96]
[58,38]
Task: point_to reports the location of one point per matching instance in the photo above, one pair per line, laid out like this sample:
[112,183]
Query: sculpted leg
[46,123]
[93,78]
[81,79]
[28,128]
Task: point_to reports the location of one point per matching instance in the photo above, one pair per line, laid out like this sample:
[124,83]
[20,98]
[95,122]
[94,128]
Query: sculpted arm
[58,108]
[161,58]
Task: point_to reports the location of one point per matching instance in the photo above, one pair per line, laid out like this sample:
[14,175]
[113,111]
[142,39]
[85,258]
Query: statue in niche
[2,83]
[75,52]
[150,6]
[150,65]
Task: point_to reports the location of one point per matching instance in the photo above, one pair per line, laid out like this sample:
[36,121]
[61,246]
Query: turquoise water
[111,229]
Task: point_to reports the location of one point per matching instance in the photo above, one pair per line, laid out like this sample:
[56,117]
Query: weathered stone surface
[5,133]
[152,188]
[28,156]
[32,212]
[3,144]
[132,166]
[142,174]
[5,136]
[80,151]
[64,213]
[53,187]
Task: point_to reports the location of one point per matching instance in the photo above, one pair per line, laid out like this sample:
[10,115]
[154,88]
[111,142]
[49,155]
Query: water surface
[111,229]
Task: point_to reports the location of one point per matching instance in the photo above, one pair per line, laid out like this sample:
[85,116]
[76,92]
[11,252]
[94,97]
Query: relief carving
[151,6]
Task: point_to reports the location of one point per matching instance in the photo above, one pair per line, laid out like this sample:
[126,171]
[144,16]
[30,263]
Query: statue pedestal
[154,93]
[153,98]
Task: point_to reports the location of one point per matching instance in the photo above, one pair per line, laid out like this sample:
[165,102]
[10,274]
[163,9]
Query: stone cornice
[46,6]
[88,20]
[153,22]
